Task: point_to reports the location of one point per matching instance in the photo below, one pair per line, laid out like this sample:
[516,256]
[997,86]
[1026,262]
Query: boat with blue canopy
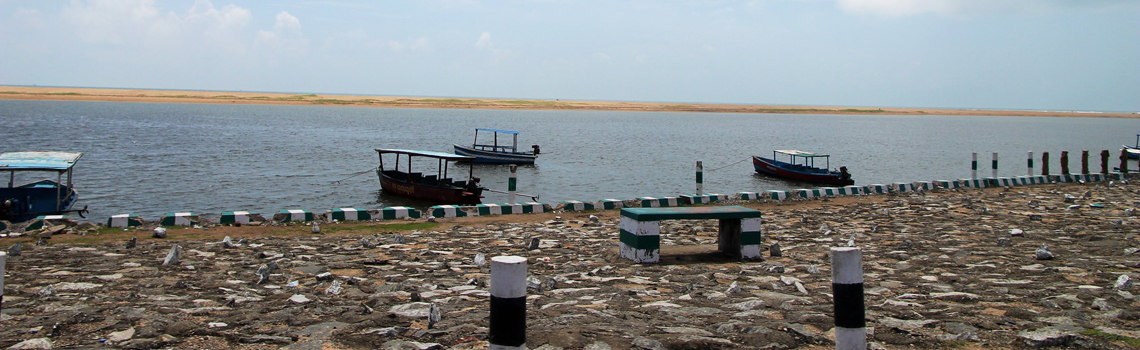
[494,153]
[801,166]
[41,197]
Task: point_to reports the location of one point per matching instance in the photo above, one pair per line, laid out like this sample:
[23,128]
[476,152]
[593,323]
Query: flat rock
[1050,336]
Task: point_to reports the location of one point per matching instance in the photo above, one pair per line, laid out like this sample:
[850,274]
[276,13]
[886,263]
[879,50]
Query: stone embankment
[1018,267]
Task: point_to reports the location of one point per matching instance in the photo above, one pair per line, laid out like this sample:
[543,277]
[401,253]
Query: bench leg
[750,238]
[728,237]
[640,240]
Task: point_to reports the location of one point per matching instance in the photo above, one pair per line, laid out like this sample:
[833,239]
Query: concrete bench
[641,230]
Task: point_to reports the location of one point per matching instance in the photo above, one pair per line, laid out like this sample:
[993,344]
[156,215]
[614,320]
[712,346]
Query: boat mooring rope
[741,161]
[355,175]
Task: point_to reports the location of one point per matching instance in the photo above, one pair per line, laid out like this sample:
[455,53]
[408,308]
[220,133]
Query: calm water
[150,159]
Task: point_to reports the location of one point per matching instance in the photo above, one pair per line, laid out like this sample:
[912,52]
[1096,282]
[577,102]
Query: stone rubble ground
[957,268]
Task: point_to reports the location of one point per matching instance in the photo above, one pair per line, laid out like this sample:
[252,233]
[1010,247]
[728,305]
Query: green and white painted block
[611,204]
[655,202]
[830,191]
[748,196]
[902,187]
[876,189]
[1000,182]
[348,214]
[573,205]
[640,241]
[948,184]
[973,183]
[851,190]
[234,217]
[1117,176]
[808,193]
[702,198]
[534,207]
[46,221]
[1096,177]
[1040,179]
[499,209]
[393,213]
[750,238]
[124,220]
[923,185]
[179,219]
[1021,181]
[293,215]
[777,194]
[447,211]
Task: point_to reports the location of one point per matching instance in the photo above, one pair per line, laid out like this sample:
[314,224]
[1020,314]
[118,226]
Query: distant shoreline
[229,97]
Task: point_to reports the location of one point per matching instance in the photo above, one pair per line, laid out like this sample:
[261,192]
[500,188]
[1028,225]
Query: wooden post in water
[1064,162]
[974,166]
[1124,161]
[1084,162]
[1104,162]
[1030,161]
[700,179]
[1044,163]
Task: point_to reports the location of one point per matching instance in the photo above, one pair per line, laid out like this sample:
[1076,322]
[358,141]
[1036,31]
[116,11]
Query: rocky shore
[1020,267]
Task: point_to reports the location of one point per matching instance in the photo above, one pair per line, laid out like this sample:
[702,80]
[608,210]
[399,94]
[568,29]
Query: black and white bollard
[3,261]
[1030,161]
[508,303]
[995,165]
[700,178]
[512,184]
[847,288]
[974,166]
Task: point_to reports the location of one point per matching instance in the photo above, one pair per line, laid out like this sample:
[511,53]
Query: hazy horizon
[1066,55]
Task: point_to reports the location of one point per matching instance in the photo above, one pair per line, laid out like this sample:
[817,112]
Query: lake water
[150,158]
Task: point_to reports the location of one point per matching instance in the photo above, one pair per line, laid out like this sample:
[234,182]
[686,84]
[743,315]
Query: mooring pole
[1044,163]
[512,184]
[508,303]
[974,165]
[1084,162]
[700,179]
[1104,154]
[1064,162]
[847,293]
[995,164]
[1124,161]
[1030,161]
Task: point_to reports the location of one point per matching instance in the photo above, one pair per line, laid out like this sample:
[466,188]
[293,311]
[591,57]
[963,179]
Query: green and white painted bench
[640,234]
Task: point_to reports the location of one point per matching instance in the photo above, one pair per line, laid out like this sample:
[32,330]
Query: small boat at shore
[1133,151]
[801,167]
[437,188]
[42,197]
[494,153]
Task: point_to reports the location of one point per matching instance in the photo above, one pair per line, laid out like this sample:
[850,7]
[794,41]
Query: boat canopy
[804,154]
[39,160]
[497,130]
[430,154]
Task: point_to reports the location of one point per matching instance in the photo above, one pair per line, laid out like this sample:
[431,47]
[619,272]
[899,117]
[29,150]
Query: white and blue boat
[1133,152]
[494,153]
[42,197]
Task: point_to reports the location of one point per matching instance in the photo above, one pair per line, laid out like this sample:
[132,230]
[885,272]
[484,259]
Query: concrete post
[1044,163]
[512,184]
[700,179]
[974,166]
[508,303]
[1064,162]
[1030,161]
[1084,162]
[847,291]
[1104,154]
[995,164]
[3,261]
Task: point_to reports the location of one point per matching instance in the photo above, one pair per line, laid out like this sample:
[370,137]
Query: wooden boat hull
[784,170]
[489,157]
[390,183]
[36,199]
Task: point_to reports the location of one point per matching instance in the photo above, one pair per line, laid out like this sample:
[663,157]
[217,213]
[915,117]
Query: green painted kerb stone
[652,242]
[750,238]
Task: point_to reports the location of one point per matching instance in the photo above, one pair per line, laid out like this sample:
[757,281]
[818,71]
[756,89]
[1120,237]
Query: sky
[1009,54]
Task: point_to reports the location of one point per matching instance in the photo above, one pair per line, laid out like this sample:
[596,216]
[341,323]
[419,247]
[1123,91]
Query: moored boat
[42,197]
[1133,151]
[801,167]
[498,154]
[437,188]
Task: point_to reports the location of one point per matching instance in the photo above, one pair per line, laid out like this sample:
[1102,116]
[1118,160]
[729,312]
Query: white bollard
[974,165]
[700,179]
[512,183]
[1030,161]
[847,291]
[508,303]
[995,164]
[3,261]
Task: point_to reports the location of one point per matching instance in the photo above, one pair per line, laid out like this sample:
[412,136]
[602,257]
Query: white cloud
[601,56]
[898,8]
[484,41]
[285,36]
